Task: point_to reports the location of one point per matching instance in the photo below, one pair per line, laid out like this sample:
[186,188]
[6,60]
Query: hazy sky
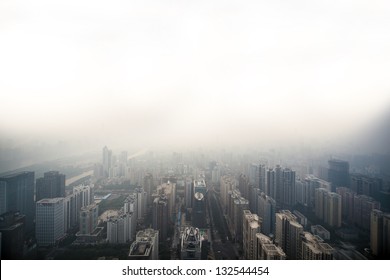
[148,71]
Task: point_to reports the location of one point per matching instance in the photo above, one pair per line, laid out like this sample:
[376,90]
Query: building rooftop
[50,200]
[11,175]
[140,248]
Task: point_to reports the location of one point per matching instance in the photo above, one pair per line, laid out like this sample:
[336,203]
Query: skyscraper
[199,211]
[288,191]
[17,194]
[148,187]
[141,202]
[338,173]
[228,183]
[271,183]
[107,161]
[236,205]
[51,185]
[49,222]
[160,216]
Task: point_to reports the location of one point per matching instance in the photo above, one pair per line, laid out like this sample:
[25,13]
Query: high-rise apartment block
[328,207]
[89,218]
[310,184]
[251,226]
[266,250]
[287,235]
[236,205]
[365,185]
[363,206]
[380,233]
[347,204]
[314,248]
[228,183]
[287,188]
[120,228]
[266,211]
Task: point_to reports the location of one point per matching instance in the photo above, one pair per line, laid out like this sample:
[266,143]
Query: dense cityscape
[200,205]
[194,130]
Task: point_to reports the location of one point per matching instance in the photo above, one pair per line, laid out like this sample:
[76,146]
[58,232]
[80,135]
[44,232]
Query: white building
[89,218]
[49,222]
[120,229]
[251,226]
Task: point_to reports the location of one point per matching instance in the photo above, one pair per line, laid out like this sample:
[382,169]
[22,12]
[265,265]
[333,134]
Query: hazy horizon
[171,74]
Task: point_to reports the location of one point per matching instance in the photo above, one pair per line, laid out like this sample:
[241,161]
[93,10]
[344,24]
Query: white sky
[152,71]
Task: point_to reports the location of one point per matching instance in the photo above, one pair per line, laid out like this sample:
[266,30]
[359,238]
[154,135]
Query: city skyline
[199,206]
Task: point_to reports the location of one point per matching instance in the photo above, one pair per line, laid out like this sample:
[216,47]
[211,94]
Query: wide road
[222,246]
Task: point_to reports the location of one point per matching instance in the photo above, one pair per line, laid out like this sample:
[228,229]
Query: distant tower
[338,173]
[141,202]
[148,187]
[270,189]
[51,185]
[107,161]
[288,187]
